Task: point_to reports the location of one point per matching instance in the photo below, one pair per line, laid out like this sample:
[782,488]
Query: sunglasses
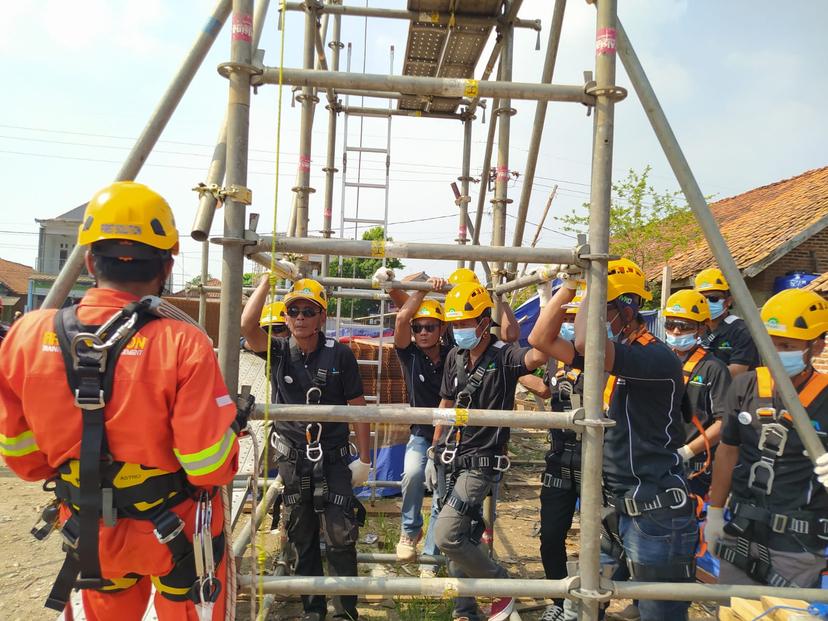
[681,326]
[294,312]
[278,328]
[419,327]
[715,298]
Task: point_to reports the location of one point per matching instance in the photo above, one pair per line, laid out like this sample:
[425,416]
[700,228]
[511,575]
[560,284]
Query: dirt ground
[29,566]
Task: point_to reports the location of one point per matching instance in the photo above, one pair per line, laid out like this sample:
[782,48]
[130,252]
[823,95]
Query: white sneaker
[553,612]
[407,547]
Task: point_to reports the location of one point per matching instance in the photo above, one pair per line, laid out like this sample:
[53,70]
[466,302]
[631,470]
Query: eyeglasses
[293,312]
[715,298]
[419,327]
[681,326]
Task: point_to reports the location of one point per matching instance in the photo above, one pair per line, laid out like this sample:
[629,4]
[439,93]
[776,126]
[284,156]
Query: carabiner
[463,400]
[313,448]
[316,398]
[448,455]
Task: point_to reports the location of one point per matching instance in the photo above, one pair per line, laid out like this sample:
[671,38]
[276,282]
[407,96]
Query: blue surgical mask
[682,342]
[610,333]
[567,331]
[716,308]
[793,361]
[466,338]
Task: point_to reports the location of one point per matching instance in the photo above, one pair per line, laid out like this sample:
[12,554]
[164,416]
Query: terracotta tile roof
[760,225]
[15,276]
[820,285]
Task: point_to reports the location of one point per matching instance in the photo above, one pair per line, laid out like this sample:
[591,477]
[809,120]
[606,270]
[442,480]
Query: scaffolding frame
[246,71]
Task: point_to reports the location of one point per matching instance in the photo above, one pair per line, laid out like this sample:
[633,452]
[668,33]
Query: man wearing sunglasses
[643,475]
[728,337]
[706,379]
[314,459]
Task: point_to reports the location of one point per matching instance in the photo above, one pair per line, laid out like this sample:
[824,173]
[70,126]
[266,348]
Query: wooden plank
[746,609]
[785,615]
[727,614]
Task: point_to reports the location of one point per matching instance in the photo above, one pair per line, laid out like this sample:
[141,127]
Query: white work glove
[383,274]
[544,293]
[821,469]
[430,475]
[285,269]
[685,453]
[714,527]
[359,472]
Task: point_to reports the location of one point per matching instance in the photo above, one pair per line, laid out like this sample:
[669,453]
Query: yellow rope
[261,557]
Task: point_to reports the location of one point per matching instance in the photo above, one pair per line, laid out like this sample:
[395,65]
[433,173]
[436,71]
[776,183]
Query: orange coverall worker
[169,409]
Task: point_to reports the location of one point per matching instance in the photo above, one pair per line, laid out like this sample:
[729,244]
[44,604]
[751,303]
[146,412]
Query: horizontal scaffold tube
[539,276]
[367,283]
[409,250]
[386,112]
[421,416]
[484,587]
[415,85]
[426,17]
[345,294]
[391,559]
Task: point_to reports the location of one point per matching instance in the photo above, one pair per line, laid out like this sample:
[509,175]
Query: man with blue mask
[644,478]
[727,337]
[561,479]
[706,379]
[776,533]
[480,373]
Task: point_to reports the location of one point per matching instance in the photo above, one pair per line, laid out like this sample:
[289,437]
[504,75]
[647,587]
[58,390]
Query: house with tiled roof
[771,231]
[14,285]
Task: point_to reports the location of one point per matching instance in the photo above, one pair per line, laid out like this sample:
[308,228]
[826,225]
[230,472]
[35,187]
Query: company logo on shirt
[135,347]
[697,379]
[724,345]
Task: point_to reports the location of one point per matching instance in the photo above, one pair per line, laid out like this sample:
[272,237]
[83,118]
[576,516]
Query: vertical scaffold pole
[484,178]
[504,113]
[141,149]
[464,179]
[330,164]
[600,194]
[238,126]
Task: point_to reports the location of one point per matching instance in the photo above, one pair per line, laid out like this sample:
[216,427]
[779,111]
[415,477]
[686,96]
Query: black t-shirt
[732,344]
[640,450]
[423,379]
[342,385]
[795,486]
[496,392]
[706,392]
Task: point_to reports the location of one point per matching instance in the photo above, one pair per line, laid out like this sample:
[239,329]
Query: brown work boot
[407,547]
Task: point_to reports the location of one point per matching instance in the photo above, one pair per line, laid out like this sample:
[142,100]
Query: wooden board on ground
[782,614]
[727,614]
[746,609]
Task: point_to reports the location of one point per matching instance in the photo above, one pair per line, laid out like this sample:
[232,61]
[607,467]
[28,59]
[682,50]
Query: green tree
[360,267]
[249,279]
[646,226]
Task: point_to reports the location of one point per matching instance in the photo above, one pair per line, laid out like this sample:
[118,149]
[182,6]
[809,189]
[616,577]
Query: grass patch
[422,608]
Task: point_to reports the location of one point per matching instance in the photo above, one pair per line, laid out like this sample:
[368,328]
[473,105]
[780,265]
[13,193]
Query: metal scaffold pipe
[500,201]
[330,152]
[718,245]
[484,184]
[409,250]
[242,540]
[541,275]
[422,416]
[429,17]
[146,141]
[413,85]
[345,294]
[464,198]
[385,112]
[537,127]
[367,283]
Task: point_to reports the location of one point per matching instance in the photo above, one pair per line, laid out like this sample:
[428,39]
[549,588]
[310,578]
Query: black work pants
[557,506]
[337,525]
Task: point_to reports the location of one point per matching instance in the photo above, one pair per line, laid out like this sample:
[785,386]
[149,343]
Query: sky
[739,81]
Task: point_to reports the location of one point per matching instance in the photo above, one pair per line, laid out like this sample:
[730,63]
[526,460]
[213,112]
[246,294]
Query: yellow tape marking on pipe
[378,249]
[451,590]
[461,416]
[435,17]
[471,88]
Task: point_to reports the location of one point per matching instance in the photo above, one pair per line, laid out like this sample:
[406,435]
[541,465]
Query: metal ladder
[350,222]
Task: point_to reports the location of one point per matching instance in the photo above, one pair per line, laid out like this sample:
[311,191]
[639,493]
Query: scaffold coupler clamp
[207,586]
[313,448]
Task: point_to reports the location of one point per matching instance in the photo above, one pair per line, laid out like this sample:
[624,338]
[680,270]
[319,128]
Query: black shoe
[312,616]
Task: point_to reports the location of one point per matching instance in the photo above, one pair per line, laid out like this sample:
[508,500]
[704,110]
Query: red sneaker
[502,608]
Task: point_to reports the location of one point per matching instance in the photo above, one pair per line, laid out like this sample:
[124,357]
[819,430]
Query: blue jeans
[658,540]
[413,490]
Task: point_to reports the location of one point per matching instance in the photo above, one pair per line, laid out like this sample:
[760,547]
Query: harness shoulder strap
[609,389]
[645,338]
[469,384]
[764,383]
[814,388]
[692,362]
[325,363]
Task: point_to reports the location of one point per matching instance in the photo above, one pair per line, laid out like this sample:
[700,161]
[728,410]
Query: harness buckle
[499,459]
[313,396]
[631,507]
[89,403]
[463,400]
[175,532]
[680,496]
[778,523]
[70,533]
[765,479]
[822,531]
[313,448]
[773,437]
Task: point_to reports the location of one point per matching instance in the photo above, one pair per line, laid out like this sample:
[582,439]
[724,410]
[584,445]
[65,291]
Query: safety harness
[95,486]
[309,462]
[697,466]
[454,464]
[564,445]
[754,524]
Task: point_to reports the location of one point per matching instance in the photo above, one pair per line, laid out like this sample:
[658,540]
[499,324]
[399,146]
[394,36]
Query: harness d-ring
[313,396]
[313,448]
[448,455]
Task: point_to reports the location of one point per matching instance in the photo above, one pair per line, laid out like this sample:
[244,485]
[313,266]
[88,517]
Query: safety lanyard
[205,566]
[689,369]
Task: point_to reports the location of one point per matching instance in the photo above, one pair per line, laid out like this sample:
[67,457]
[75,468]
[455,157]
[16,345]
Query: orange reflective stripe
[691,363]
[764,383]
[608,390]
[814,387]
[645,339]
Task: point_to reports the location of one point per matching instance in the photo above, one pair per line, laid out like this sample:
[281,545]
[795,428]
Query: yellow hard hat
[129,211]
[430,309]
[711,279]
[273,314]
[624,276]
[575,304]
[307,289]
[796,314]
[688,304]
[463,274]
[467,301]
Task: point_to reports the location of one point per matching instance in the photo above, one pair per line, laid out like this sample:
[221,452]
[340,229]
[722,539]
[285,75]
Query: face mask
[716,308]
[466,338]
[793,361]
[567,331]
[683,342]
[610,333]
